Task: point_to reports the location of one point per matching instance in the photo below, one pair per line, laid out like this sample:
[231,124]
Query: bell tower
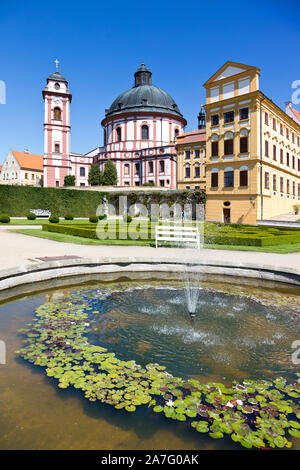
[201,119]
[57,130]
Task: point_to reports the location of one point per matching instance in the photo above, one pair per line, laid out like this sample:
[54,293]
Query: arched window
[145,132]
[244,176]
[228,177]
[228,143]
[214,178]
[176,133]
[214,145]
[57,114]
[244,141]
[82,171]
[119,134]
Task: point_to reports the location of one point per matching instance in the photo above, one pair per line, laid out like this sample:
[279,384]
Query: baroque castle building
[245,152]
[140,129]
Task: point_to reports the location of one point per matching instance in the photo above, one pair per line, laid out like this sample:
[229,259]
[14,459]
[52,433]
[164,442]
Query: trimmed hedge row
[250,235]
[90,232]
[237,239]
[245,240]
[71,230]
[18,200]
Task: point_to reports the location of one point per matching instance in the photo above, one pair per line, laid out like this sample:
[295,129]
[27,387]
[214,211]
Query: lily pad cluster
[261,414]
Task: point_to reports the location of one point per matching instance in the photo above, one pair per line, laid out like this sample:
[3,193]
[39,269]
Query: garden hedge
[244,240]
[258,236]
[18,200]
[250,235]
[89,231]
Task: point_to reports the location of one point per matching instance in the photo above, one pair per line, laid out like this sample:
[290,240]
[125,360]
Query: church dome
[143,97]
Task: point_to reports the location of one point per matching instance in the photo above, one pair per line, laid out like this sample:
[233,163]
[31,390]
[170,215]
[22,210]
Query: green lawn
[60,237]
[214,234]
[44,221]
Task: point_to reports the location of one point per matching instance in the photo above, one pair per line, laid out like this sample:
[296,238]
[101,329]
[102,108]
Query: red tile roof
[29,161]
[199,135]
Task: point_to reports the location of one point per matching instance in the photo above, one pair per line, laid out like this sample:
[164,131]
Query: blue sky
[101,44]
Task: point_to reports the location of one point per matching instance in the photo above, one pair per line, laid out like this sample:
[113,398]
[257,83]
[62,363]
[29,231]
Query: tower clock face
[57,86]
[57,100]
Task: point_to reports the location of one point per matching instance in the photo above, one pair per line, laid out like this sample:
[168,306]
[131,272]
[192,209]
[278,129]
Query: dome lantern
[142,76]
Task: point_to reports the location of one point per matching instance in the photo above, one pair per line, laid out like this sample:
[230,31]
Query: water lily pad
[294,432]
[216,435]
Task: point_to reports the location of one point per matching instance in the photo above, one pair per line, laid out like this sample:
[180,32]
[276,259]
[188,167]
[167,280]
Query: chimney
[26,151]
[288,105]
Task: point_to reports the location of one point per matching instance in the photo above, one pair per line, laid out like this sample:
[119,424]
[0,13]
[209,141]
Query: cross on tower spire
[56,63]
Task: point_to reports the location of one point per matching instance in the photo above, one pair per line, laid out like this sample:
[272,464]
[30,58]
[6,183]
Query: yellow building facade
[252,150]
[191,157]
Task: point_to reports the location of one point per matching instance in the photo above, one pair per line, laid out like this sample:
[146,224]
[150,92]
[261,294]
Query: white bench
[177,234]
[40,212]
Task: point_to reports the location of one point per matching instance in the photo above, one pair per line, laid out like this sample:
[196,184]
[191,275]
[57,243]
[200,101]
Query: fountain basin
[258,323]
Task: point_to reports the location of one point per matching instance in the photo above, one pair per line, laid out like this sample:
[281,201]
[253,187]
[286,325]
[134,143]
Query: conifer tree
[95,175]
[69,180]
[110,175]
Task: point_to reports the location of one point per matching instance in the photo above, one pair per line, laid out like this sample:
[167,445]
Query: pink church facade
[58,159]
[140,129]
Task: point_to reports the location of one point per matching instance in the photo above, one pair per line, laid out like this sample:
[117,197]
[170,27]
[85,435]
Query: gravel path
[18,249]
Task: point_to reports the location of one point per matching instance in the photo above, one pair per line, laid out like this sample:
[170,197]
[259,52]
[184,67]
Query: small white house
[22,169]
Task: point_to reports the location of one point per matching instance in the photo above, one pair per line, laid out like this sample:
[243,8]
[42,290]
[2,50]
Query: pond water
[232,337]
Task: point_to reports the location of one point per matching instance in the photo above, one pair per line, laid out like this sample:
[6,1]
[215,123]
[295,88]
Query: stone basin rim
[45,271]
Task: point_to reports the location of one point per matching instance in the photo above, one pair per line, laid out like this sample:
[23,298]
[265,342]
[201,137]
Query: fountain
[191,290]
[192,277]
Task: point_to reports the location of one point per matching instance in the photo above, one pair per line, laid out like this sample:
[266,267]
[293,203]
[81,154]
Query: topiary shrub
[93,219]
[69,180]
[4,219]
[127,218]
[102,217]
[54,219]
[69,217]
[31,216]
